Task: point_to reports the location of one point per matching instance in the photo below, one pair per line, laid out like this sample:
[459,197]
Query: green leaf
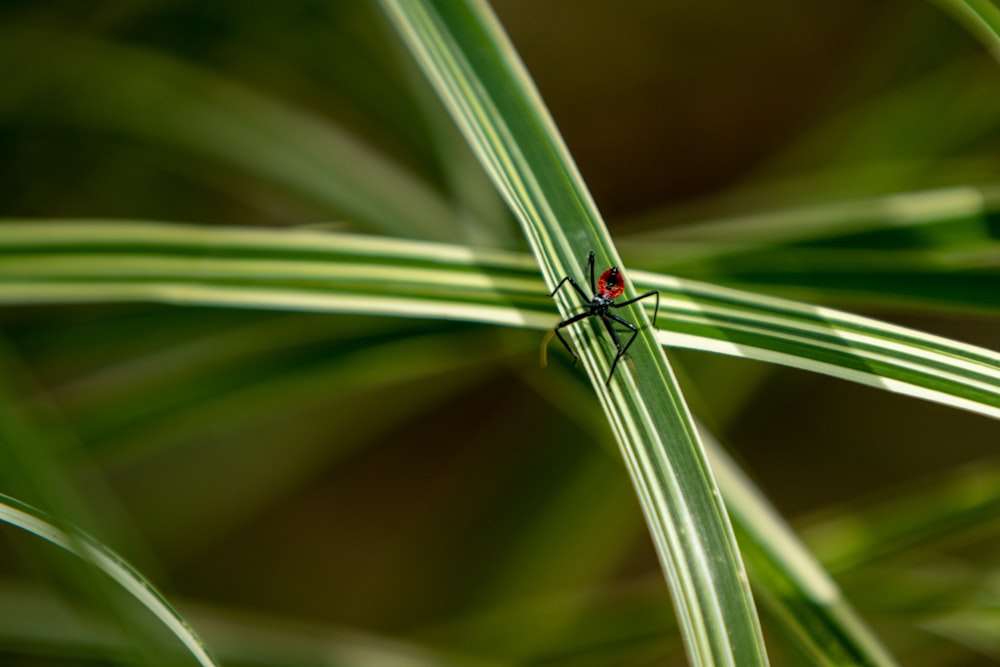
[980,17]
[310,270]
[933,248]
[31,520]
[472,65]
[790,582]
[153,98]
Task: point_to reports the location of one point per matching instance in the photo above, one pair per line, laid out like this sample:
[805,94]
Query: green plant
[164,427]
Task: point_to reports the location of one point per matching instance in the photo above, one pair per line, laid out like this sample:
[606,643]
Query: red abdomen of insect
[610,283]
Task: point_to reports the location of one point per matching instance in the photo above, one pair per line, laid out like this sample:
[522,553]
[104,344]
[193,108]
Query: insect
[607,288]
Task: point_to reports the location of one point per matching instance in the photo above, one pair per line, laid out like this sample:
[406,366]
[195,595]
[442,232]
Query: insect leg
[566,323]
[579,290]
[656,310]
[622,349]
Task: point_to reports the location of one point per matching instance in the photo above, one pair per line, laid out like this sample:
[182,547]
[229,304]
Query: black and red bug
[607,288]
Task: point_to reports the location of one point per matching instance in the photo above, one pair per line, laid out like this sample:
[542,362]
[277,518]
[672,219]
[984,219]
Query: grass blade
[791,582]
[466,56]
[980,17]
[31,520]
[320,271]
[151,97]
[934,248]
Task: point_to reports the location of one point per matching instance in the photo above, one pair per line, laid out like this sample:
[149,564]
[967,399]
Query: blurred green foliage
[303,484]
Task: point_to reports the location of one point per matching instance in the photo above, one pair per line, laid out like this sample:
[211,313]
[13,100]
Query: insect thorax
[600,304]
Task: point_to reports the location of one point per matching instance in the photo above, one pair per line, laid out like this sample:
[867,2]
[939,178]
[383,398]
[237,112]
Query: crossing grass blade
[308,270]
[473,67]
